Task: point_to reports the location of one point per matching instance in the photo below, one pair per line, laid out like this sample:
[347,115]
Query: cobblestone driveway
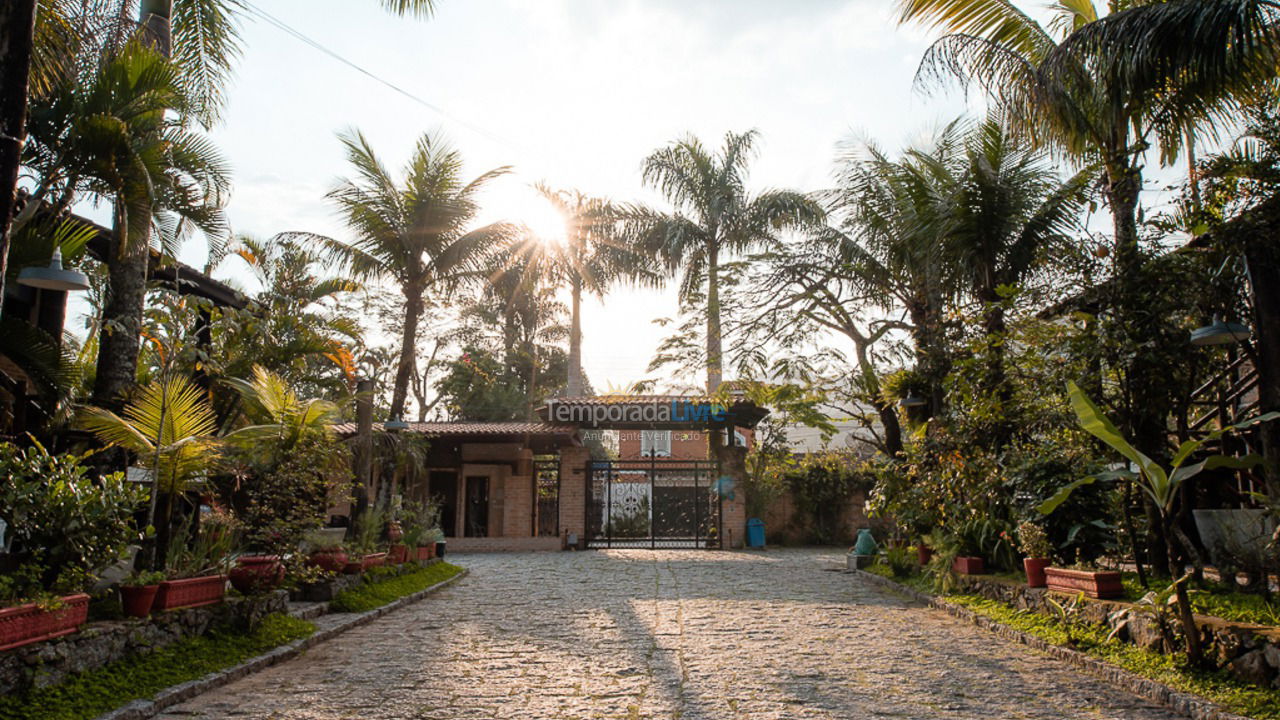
[668,634]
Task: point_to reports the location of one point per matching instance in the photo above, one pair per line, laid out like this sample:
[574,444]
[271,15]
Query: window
[655,443]
[739,439]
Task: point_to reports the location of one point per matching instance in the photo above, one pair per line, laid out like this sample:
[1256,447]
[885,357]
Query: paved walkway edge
[1193,706]
[167,698]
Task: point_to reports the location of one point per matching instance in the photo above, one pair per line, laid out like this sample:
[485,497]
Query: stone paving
[677,635]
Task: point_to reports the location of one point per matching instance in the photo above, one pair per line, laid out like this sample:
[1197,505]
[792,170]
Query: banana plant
[1159,484]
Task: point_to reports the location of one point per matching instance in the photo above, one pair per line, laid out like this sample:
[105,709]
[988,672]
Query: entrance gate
[653,503]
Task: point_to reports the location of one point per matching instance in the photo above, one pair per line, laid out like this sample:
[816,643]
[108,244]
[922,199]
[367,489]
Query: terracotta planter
[924,553]
[353,566]
[256,573]
[373,560]
[136,600]
[1101,584]
[26,624]
[398,554]
[191,592]
[1035,570]
[969,566]
[332,559]
[423,553]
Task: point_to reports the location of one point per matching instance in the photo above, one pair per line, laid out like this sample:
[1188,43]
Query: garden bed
[105,642]
[1159,677]
[89,694]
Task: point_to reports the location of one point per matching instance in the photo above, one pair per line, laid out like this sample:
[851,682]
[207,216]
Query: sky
[571,92]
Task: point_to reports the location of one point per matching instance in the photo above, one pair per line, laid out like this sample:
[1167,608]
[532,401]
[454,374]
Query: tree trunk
[128,260]
[573,388]
[408,347]
[714,350]
[17,30]
[120,341]
[1191,633]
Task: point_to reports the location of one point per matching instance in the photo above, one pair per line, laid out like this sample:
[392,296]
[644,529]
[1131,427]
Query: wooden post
[364,451]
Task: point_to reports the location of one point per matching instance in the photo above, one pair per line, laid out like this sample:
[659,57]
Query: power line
[289,30]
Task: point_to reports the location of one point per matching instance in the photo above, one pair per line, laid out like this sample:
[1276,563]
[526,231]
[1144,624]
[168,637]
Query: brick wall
[573,491]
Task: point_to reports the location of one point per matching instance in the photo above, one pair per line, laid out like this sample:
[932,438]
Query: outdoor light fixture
[912,400]
[53,277]
[395,424]
[1220,332]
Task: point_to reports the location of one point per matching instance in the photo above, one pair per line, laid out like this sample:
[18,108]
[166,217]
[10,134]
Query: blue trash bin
[755,533]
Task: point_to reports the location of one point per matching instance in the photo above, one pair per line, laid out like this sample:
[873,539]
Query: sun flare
[541,217]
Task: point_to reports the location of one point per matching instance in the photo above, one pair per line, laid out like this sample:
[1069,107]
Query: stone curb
[1193,706]
[143,709]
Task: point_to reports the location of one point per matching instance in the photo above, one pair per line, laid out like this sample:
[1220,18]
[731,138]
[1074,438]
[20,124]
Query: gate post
[733,510]
[573,493]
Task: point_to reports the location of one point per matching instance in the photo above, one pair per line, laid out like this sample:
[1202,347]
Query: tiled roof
[642,399]
[442,429]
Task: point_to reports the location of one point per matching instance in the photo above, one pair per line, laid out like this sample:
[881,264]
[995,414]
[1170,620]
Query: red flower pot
[1035,570]
[422,553]
[138,599]
[256,573]
[331,559]
[398,554]
[26,624]
[373,560]
[968,566]
[924,553]
[1101,584]
[353,566]
[191,592]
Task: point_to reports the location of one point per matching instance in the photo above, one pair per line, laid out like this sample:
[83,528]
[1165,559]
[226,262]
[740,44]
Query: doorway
[442,487]
[477,515]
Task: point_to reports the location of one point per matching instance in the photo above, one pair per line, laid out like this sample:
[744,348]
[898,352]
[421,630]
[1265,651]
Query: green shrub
[89,694]
[378,592]
[62,522]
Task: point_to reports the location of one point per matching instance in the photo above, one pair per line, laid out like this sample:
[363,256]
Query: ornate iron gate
[653,503]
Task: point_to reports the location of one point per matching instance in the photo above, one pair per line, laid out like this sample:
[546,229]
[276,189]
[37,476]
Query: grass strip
[91,693]
[378,592]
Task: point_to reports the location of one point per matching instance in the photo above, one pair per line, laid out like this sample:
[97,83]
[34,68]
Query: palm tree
[1007,206]
[1062,93]
[713,218]
[278,419]
[1211,57]
[416,235]
[107,132]
[170,427]
[594,255]
[303,326]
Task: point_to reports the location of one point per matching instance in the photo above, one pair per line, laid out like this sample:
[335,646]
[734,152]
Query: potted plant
[256,573]
[1035,544]
[30,614]
[138,592]
[1101,584]
[196,568]
[968,565]
[327,552]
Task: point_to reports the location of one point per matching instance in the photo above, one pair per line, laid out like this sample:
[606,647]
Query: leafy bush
[60,520]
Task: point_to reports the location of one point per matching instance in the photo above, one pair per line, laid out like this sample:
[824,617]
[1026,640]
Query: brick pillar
[733,511]
[573,492]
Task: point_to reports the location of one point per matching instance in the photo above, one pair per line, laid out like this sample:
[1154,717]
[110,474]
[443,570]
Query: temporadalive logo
[674,411]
